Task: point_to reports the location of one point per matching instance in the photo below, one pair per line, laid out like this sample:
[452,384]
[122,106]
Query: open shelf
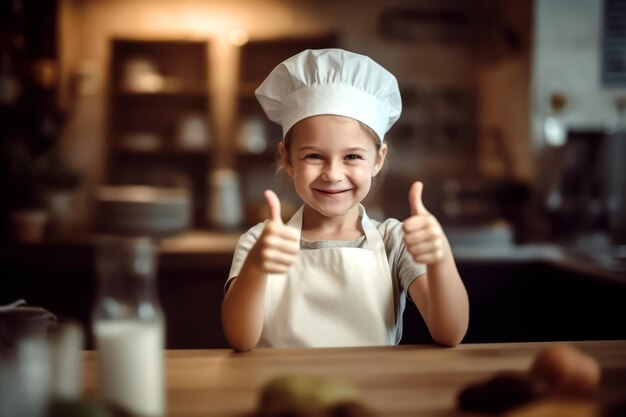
[160,128]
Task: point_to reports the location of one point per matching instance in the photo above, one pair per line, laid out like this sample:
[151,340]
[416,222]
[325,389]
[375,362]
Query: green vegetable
[304,393]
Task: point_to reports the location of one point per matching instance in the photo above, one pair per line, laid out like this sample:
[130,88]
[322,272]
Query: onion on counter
[566,371]
[559,373]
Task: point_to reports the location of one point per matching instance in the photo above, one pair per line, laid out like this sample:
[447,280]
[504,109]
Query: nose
[333,171]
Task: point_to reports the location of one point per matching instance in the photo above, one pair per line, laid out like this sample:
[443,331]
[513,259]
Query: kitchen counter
[552,254]
[396,381]
[200,248]
[517,293]
[206,249]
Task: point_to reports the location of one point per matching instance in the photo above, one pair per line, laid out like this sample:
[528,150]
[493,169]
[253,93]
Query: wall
[576,179]
[566,59]
[503,79]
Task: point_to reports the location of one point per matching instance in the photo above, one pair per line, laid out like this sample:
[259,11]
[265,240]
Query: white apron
[332,296]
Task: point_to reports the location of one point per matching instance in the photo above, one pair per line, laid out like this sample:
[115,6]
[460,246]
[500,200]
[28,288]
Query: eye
[353,157]
[312,156]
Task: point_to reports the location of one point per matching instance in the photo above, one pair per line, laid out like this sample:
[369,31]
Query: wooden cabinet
[160,130]
[257,136]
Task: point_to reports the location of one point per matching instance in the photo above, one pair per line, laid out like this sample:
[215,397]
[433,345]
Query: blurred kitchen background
[139,117]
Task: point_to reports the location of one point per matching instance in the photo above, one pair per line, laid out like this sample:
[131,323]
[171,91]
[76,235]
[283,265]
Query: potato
[302,393]
[566,371]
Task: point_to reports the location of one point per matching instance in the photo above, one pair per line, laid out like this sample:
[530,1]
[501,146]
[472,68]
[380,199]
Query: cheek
[363,173]
[303,170]
[305,173]
[371,168]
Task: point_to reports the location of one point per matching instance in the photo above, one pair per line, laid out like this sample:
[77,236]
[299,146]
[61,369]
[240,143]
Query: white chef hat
[331,81]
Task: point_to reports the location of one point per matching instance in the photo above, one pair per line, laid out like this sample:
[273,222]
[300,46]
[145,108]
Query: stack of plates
[142,210]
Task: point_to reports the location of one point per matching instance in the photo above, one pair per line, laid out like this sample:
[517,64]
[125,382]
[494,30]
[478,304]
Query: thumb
[415,198]
[274,204]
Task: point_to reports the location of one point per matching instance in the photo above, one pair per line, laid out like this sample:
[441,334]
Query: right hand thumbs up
[274,204]
[278,245]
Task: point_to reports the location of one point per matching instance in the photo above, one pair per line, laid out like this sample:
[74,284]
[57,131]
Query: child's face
[332,162]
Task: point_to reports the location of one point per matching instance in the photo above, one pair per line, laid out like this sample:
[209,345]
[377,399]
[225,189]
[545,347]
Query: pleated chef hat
[331,81]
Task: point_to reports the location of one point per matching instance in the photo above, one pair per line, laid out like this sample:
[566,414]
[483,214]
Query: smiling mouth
[331,192]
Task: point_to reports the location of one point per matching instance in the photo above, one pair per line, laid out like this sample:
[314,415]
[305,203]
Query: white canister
[253,135]
[225,206]
[193,132]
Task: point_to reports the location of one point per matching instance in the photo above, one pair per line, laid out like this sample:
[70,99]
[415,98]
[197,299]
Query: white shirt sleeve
[245,243]
[403,267]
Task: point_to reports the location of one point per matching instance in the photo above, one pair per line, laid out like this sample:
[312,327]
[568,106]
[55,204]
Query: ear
[380,159]
[284,157]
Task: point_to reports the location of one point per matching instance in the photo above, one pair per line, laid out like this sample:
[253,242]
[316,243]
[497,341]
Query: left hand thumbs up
[423,235]
[415,199]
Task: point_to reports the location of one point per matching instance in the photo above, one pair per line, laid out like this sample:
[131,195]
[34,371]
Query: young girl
[331,276]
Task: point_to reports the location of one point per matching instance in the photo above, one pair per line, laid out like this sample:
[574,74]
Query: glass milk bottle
[128,326]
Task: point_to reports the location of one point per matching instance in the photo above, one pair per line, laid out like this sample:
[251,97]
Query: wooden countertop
[196,241]
[393,381]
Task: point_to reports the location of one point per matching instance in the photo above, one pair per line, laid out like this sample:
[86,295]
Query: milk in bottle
[128,326]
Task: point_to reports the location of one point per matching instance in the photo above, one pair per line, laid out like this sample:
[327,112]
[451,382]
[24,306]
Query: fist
[278,245]
[423,235]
